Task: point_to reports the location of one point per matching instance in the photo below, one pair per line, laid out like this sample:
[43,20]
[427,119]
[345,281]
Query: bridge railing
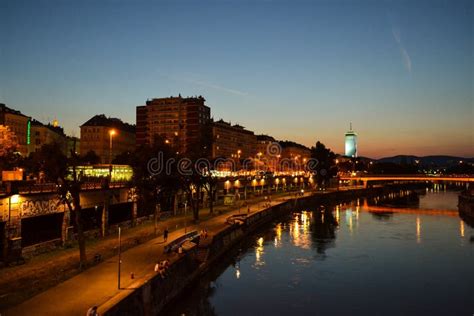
[408,177]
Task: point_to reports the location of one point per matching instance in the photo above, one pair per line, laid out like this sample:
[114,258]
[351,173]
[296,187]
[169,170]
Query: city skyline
[405,82]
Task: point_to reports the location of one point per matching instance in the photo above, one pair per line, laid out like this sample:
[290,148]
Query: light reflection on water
[345,259]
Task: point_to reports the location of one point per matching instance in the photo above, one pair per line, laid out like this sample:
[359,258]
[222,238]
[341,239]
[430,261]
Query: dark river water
[404,254]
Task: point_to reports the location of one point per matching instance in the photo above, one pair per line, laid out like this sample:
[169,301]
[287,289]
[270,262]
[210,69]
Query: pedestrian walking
[92,311]
[165,235]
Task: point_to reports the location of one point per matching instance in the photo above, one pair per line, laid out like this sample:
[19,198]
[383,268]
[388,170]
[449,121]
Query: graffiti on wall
[29,208]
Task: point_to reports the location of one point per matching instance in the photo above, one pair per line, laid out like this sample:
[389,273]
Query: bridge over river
[406,178]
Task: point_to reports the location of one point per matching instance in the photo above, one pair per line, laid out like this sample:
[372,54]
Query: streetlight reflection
[418,230]
[259,252]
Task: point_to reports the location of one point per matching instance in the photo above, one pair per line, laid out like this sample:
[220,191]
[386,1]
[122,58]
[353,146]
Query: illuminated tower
[351,143]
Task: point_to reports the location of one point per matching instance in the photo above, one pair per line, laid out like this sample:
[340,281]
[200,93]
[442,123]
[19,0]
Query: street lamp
[13,198]
[278,163]
[112,133]
[259,155]
[119,256]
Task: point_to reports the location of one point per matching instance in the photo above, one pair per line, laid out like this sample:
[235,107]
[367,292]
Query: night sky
[401,71]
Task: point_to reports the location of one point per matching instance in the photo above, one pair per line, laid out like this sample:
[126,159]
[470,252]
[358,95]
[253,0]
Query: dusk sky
[401,71]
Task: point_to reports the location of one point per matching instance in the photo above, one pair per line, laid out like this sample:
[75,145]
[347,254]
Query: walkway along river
[403,253]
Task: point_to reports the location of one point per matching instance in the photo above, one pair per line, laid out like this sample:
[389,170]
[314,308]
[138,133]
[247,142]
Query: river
[404,253]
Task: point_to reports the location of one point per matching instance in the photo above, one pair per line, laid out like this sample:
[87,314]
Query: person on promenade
[165,235]
[160,268]
[92,311]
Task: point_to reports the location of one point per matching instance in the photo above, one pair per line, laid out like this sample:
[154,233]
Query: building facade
[107,137]
[42,134]
[73,144]
[19,124]
[232,141]
[294,156]
[268,152]
[180,122]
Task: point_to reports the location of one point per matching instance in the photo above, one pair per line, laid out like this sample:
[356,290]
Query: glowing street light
[112,133]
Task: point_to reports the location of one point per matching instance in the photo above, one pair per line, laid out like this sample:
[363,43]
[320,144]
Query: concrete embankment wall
[151,296]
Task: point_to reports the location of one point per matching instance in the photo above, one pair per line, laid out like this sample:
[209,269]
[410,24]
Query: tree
[9,158]
[461,168]
[325,168]
[192,184]
[90,158]
[194,180]
[210,182]
[62,171]
[8,141]
[125,158]
[155,174]
[393,168]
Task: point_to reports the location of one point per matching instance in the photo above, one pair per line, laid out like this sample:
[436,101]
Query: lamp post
[119,256]
[185,219]
[238,159]
[13,198]
[278,169]
[259,155]
[112,133]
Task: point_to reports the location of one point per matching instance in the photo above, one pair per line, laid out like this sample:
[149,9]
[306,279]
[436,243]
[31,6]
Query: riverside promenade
[98,284]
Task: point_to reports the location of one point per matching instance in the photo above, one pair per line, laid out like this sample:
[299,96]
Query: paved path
[97,285]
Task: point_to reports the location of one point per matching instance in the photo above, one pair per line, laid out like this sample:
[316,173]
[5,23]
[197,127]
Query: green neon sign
[28,132]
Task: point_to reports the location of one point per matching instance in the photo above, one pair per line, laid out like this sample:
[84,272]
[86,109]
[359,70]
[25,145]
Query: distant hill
[440,161]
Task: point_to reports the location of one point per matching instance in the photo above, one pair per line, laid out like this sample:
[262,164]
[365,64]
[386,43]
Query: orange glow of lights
[418,230]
